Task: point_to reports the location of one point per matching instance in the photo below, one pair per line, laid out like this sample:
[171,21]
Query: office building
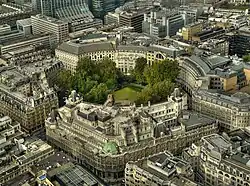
[215,46]
[159,169]
[12,44]
[98,46]
[5,29]
[102,7]
[11,13]
[44,24]
[163,23]
[207,79]
[112,18]
[50,7]
[75,12]
[26,95]
[133,18]
[10,35]
[193,11]
[189,30]
[105,137]
[231,111]
[192,155]
[24,25]
[9,130]
[239,44]
[29,54]
[21,155]
[213,33]
[224,160]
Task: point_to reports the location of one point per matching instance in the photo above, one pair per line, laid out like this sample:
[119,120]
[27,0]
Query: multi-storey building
[44,24]
[15,44]
[163,23]
[12,13]
[101,7]
[239,43]
[112,18]
[213,33]
[159,169]
[216,46]
[97,47]
[50,7]
[206,77]
[231,111]
[225,160]
[5,28]
[69,174]
[105,137]
[193,11]
[29,54]
[75,12]
[189,30]
[192,156]
[133,18]
[199,74]
[9,130]
[26,96]
[22,154]
[24,25]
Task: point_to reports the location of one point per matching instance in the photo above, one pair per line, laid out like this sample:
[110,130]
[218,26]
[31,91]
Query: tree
[86,65]
[98,93]
[140,65]
[108,70]
[160,71]
[64,79]
[156,93]
[246,58]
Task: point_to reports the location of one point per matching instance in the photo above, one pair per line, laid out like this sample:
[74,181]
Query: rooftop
[48,19]
[192,120]
[25,22]
[35,148]
[70,174]
[217,143]
[167,168]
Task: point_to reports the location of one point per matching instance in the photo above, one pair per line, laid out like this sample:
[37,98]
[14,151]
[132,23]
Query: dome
[110,148]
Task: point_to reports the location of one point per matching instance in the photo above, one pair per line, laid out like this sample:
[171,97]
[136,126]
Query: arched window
[159,56]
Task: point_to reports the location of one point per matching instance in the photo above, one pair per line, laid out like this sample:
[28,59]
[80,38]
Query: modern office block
[24,25]
[163,23]
[239,44]
[101,7]
[44,24]
[133,18]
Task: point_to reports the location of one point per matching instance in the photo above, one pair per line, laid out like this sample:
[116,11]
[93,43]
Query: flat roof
[193,119]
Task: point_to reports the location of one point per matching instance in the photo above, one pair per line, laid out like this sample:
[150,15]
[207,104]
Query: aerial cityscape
[124,93]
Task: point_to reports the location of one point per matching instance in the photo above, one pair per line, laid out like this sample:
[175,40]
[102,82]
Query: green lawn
[127,93]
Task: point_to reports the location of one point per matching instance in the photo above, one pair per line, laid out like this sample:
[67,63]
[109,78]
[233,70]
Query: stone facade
[105,138]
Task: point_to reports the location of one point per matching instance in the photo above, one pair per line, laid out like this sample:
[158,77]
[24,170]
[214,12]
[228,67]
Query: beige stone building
[99,46]
[17,154]
[225,160]
[159,169]
[207,79]
[105,137]
[25,94]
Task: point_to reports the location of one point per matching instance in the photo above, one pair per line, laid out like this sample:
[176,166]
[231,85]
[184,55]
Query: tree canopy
[96,79]
[160,78]
[140,65]
[246,58]
[160,71]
